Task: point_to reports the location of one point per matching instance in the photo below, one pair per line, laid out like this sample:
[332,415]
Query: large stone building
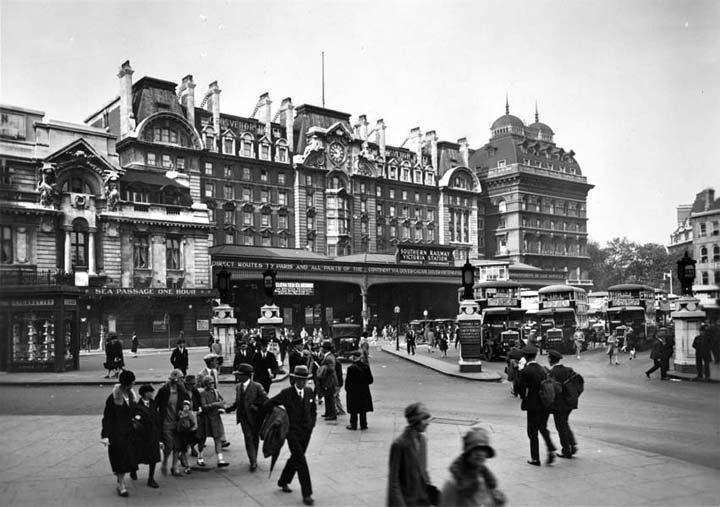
[698,234]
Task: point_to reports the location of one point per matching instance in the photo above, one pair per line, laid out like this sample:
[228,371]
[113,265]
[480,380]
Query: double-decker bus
[633,305]
[502,316]
[563,309]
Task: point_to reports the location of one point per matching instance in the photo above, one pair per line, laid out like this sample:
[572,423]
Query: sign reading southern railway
[424,254]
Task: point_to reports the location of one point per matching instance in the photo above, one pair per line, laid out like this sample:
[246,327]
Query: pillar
[68,257]
[91,252]
[687,321]
[365,313]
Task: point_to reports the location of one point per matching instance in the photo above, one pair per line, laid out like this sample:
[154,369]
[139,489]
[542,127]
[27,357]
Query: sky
[633,87]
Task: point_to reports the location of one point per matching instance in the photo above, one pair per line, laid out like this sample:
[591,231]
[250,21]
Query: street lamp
[397,327]
[686,274]
[269,283]
[223,284]
[468,279]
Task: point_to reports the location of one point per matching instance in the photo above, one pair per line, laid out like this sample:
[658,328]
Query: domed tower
[539,130]
[507,124]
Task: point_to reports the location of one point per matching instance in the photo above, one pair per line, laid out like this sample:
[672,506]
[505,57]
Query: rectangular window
[247,218]
[379,230]
[363,206]
[209,189]
[283,241]
[282,221]
[417,213]
[180,162]
[264,196]
[363,227]
[281,178]
[404,195]
[266,240]
[173,137]
[229,238]
[151,159]
[263,176]
[418,234]
[78,246]
[211,214]
[141,252]
[405,212]
[247,148]
[229,217]
[246,194]
[362,188]
[6,245]
[430,214]
[393,172]
[228,192]
[379,209]
[392,193]
[431,234]
[378,191]
[311,222]
[417,196]
[282,198]
[501,163]
[405,232]
[227,171]
[393,231]
[228,146]
[246,173]
[428,198]
[208,168]
[392,210]
[167,161]
[310,200]
[282,156]
[308,180]
[172,253]
[265,152]
[248,239]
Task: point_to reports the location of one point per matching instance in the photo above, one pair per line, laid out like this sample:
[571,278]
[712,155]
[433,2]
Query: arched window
[77,184]
[703,255]
[246,146]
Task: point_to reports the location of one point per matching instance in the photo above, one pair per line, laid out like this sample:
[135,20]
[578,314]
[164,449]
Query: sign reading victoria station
[420,254]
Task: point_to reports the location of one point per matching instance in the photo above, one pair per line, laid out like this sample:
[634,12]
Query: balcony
[536,171]
[29,275]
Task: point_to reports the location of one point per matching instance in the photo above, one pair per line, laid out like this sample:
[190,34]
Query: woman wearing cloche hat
[471,482]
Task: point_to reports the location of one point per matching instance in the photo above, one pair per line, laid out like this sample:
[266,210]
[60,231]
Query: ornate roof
[507,120]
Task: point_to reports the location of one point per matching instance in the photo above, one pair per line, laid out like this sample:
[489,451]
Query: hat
[356,353]
[189,379]
[327,344]
[244,369]
[146,388]
[416,412]
[187,402]
[243,342]
[206,379]
[175,375]
[181,340]
[301,371]
[555,355]
[210,356]
[529,350]
[126,377]
[477,437]
[297,340]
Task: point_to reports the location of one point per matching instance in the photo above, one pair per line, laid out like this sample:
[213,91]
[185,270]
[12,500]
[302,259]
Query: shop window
[34,337]
[172,253]
[6,245]
[141,252]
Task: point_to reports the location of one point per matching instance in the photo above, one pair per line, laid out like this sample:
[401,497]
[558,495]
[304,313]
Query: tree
[624,261]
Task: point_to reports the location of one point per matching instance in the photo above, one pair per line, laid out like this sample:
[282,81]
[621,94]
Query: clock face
[336,153]
[268,314]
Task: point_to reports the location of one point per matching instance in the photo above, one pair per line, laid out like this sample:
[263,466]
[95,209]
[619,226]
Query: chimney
[187,98]
[262,110]
[127,122]
[287,118]
[380,136]
[431,138]
[709,197]
[416,139]
[362,120]
[356,131]
[213,105]
[465,151]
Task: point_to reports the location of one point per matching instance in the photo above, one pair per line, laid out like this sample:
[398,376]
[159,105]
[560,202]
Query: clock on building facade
[336,152]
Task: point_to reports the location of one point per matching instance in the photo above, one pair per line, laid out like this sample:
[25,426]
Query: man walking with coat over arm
[531,378]
[250,399]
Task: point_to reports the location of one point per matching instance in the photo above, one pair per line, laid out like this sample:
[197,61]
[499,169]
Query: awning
[151,178]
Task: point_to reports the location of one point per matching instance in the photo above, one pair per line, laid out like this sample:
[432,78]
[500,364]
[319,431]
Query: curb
[478,377]
[103,382]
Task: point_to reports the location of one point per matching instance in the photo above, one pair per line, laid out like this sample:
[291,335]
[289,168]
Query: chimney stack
[362,120]
[213,105]
[431,138]
[262,110]
[709,197]
[380,136]
[416,139]
[465,151]
[187,98]
[127,119]
[287,118]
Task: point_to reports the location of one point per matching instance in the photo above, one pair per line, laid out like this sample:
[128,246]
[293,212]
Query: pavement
[58,460]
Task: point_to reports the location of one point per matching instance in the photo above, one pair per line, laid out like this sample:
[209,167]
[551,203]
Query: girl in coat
[210,421]
[147,433]
[117,429]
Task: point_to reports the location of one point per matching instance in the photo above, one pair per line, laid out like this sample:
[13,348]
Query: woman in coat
[357,386]
[210,421]
[117,429]
[147,433]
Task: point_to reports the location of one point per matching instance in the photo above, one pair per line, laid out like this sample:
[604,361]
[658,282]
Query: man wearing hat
[529,382]
[243,354]
[169,400]
[408,478]
[299,403]
[250,398]
[295,357]
[328,380]
[266,365]
[357,387]
[210,369]
[562,409]
[179,357]
[471,481]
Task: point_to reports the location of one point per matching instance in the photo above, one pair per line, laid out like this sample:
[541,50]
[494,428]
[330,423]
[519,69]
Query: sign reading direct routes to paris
[470,342]
[424,254]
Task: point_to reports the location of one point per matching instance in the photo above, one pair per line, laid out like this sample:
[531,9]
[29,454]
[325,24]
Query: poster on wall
[159,326]
[329,315]
[112,324]
[309,315]
[202,325]
[287,316]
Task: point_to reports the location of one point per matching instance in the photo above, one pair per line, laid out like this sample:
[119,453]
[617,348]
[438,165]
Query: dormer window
[229,146]
[418,177]
[281,152]
[210,142]
[393,172]
[246,146]
[429,178]
[265,151]
[405,174]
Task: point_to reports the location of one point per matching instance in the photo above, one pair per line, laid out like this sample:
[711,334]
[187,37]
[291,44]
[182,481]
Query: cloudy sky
[632,87]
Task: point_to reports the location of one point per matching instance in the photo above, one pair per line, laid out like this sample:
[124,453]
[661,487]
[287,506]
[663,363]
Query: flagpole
[323,79]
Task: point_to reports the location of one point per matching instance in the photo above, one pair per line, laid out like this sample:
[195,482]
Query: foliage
[624,261]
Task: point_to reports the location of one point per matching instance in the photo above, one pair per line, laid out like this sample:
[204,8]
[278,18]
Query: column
[91,251]
[68,258]
[365,313]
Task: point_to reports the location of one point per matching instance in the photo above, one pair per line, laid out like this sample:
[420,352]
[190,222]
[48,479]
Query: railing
[30,276]
[513,168]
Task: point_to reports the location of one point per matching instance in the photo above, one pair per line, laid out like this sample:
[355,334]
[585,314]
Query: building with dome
[535,195]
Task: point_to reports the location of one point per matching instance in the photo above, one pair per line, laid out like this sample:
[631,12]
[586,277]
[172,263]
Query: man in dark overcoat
[266,366]
[357,386]
[657,354]
[250,398]
[561,408]
[702,347]
[531,376]
[408,478]
[328,380]
[243,354]
[179,357]
[299,403]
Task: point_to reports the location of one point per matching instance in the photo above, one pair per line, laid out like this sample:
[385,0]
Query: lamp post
[269,283]
[468,279]
[223,284]
[397,327]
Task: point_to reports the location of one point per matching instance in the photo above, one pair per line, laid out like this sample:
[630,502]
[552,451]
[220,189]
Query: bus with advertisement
[502,316]
[563,309]
[633,305]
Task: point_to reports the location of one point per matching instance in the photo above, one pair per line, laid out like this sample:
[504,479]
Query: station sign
[424,254]
[119,291]
[294,288]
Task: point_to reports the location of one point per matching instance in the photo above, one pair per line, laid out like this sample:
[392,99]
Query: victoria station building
[137,209]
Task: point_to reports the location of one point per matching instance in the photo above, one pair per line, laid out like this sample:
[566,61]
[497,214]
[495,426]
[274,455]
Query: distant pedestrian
[563,405]
[179,357]
[266,366]
[702,345]
[146,422]
[134,344]
[531,378]
[408,479]
[578,341]
[471,482]
[410,342]
[611,351]
[117,429]
[657,354]
[250,398]
[210,342]
[216,348]
[357,389]
[299,403]
[443,344]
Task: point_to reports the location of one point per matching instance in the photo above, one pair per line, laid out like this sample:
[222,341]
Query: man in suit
[328,380]
[299,403]
[529,382]
[179,357]
[250,398]
[295,357]
[243,355]
[562,409]
[266,366]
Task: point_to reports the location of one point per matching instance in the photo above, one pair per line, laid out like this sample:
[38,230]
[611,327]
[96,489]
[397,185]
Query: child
[186,426]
